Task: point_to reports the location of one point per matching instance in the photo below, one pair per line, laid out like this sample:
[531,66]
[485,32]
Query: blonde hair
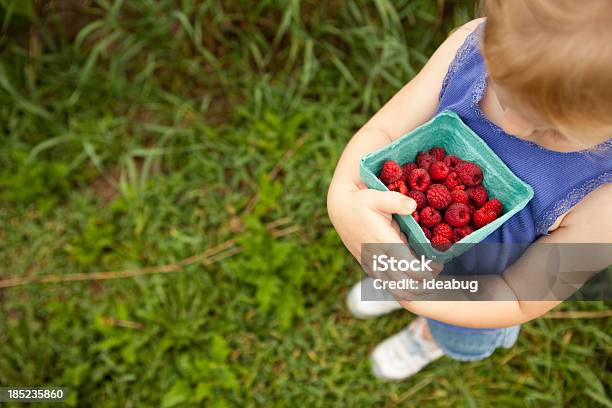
[555,58]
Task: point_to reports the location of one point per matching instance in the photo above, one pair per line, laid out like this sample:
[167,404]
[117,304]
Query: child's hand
[363,215]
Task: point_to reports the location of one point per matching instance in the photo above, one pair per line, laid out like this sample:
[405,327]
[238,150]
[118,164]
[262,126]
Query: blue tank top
[560,180]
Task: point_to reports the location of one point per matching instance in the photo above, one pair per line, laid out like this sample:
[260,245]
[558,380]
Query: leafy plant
[23,8]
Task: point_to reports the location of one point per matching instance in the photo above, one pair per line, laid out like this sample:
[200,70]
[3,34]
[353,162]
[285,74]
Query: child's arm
[579,226]
[362,215]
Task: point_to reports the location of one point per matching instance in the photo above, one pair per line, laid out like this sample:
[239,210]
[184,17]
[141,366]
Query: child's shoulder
[458,35]
[470,25]
[439,62]
[456,39]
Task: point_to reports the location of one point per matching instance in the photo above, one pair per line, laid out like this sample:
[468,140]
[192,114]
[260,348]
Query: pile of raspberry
[451,200]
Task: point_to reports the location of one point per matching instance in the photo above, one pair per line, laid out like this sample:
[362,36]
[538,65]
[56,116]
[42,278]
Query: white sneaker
[405,353]
[367,309]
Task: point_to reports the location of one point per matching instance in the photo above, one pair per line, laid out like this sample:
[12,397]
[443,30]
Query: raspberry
[419,180]
[443,230]
[494,205]
[477,195]
[438,153]
[424,160]
[419,198]
[390,172]
[430,217]
[457,215]
[438,196]
[399,186]
[459,196]
[407,169]
[440,243]
[451,201]
[451,161]
[427,232]
[483,217]
[461,232]
[469,173]
[452,181]
[402,188]
[438,170]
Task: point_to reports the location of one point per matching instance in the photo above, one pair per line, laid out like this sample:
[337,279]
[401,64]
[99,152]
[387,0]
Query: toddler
[534,81]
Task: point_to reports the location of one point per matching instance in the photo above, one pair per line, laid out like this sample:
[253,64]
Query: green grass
[137,135]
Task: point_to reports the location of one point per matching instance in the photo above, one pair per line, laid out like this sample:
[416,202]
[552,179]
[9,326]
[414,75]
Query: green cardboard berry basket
[448,131]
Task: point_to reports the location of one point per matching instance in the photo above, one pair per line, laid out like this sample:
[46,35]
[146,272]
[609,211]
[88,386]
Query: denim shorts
[465,344]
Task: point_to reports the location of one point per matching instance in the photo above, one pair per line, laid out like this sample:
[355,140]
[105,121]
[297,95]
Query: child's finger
[391,202]
[362,186]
